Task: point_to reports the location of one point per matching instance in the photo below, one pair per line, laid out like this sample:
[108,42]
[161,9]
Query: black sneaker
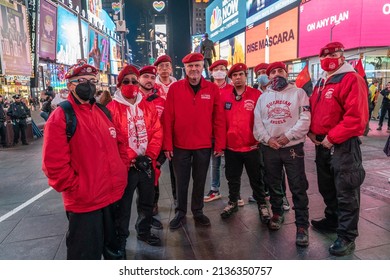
[177,221]
[156,224]
[25,143]
[229,210]
[202,220]
[324,225]
[342,247]
[150,239]
[302,237]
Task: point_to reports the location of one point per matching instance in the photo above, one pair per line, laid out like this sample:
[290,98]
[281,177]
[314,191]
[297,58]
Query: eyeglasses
[82,81]
[126,82]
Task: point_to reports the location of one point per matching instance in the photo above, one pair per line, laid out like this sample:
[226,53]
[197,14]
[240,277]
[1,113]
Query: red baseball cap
[81,68]
[149,69]
[274,65]
[332,48]
[260,67]
[163,58]
[237,68]
[217,63]
[192,57]
[129,69]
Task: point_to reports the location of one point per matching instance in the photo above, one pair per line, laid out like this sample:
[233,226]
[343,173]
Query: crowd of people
[119,147]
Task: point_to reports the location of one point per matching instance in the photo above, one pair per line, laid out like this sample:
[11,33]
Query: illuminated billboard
[233,49]
[355,23]
[15,42]
[224,17]
[262,10]
[273,40]
[160,33]
[68,37]
[48,30]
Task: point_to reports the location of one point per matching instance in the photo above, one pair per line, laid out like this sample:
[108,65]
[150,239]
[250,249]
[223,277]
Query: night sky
[179,40]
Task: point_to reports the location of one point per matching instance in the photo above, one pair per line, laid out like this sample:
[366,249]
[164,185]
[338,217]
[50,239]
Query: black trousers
[85,236]
[340,174]
[183,162]
[234,165]
[292,159]
[19,126]
[173,179]
[384,109]
[3,130]
[137,180]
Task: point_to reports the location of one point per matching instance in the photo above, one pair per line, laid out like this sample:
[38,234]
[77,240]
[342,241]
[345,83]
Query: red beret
[192,57]
[217,63]
[260,67]
[236,68]
[149,69]
[331,48]
[274,65]
[129,69]
[163,58]
[81,68]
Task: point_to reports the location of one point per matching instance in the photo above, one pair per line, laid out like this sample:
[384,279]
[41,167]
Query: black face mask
[85,91]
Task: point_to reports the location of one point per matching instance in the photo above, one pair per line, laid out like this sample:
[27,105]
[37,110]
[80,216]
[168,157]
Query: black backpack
[71,120]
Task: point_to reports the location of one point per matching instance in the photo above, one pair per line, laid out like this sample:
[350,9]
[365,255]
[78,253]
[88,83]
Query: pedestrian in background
[339,116]
[19,112]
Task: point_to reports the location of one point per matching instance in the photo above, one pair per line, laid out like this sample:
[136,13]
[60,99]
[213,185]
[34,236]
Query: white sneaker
[240,202]
[286,205]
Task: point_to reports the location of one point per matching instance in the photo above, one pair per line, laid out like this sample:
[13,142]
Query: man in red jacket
[242,149]
[136,121]
[192,114]
[339,113]
[89,170]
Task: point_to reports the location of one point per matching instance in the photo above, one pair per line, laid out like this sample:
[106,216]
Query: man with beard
[282,120]
[192,115]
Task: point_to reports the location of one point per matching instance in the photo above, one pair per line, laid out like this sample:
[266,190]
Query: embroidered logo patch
[249,105]
[112,132]
[205,96]
[329,93]
[228,106]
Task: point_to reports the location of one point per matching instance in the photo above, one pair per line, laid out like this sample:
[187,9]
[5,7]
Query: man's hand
[273,143]
[282,140]
[313,139]
[169,154]
[325,143]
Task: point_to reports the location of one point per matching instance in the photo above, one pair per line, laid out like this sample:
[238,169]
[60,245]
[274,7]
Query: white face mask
[219,74]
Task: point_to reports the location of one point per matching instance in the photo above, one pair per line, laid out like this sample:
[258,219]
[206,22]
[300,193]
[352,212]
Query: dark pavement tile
[6,227]
[375,253]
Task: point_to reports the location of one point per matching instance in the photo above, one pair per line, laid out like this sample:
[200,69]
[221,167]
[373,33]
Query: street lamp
[331,30]
[151,45]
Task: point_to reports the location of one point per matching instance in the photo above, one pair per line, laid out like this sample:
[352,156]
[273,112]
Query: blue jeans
[215,172]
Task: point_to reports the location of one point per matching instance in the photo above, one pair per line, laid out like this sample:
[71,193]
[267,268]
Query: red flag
[359,68]
[304,81]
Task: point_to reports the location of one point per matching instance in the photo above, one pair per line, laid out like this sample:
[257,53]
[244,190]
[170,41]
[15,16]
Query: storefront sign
[224,17]
[260,11]
[273,40]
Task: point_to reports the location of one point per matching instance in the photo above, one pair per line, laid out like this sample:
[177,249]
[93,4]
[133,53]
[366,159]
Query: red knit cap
[81,68]
[237,68]
[192,57]
[331,48]
[261,66]
[163,58]
[274,65]
[129,69]
[217,63]
[148,70]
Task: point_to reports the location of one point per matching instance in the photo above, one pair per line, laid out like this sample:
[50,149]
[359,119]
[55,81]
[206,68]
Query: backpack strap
[153,96]
[105,110]
[70,118]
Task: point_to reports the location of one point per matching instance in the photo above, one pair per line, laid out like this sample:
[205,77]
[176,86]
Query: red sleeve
[219,122]
[56,160]
[355,105]
[156,135]
[168,120]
